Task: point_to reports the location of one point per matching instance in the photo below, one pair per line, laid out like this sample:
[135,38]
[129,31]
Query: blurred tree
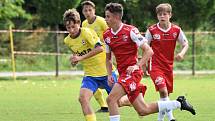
[50,12]
[9,10]
[192,14]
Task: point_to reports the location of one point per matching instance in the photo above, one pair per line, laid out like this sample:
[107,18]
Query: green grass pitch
[55,99]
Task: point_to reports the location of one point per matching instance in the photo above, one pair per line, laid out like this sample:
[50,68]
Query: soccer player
[123,40]
[87,49]
[99,25]
[162,38]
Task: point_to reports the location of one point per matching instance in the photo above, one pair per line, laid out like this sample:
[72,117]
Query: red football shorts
[162,79]
[131,84]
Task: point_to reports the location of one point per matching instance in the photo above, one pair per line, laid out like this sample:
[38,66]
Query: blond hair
[164,7]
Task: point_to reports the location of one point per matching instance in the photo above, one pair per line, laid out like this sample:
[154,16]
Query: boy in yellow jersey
[99,25]
[87,49]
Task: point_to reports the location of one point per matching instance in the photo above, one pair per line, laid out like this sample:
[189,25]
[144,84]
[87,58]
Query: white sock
[168,112]
[115,118]
[161,114]
[168,105]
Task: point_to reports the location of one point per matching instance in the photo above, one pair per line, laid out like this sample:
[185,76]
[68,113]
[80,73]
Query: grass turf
[55,99]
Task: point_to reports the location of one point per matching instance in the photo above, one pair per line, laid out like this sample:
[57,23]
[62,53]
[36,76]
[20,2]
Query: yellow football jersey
[94,66]
[99,26]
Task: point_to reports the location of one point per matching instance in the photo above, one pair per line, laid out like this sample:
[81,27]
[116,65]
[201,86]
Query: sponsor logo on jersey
[124,37]
[140,38]
[107,40]
[166,34]
[83,52]
[156,36]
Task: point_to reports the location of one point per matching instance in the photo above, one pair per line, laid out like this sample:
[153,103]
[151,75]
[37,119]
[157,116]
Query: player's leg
[159,81]
[112,100]
[163,97]
[124,101]
[88,87]
[99,94]
[84,99]
[100,99]
[144,108]
[164,92]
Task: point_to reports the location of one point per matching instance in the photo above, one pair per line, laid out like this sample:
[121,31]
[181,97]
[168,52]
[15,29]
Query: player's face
[72,28]
[163,17]
[110,19]
[88,11]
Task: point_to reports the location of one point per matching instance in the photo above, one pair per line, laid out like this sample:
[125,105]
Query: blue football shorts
[93,83]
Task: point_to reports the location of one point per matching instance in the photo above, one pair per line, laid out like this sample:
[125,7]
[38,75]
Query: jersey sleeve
[148,36]
[182,38]
[107,48]
[137,37]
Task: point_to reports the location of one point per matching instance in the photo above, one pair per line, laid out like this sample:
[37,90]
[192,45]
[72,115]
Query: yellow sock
[99,98]
[91,117]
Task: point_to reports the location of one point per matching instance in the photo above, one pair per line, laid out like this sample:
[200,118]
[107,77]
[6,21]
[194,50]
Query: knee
[143,112]
[163,93]
[82,99]
[110,99]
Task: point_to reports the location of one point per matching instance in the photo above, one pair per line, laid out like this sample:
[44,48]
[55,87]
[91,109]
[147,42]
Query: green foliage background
[191,15]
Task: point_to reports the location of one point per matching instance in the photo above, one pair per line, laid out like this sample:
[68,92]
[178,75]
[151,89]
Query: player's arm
[98,49]
[184,44]
[73,53]
[73,63]
[109,65]
[142,43]
[92,38]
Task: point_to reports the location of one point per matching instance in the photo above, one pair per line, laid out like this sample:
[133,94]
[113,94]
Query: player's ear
[170,15]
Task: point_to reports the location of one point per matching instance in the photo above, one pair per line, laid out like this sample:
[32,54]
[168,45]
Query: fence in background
[20,47]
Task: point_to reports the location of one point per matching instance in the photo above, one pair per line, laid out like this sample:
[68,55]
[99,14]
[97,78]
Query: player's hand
[74,64]
[110,81]
[75,59]
[131,69]
[179,57]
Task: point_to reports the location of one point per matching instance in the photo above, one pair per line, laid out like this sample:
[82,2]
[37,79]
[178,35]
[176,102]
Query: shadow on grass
[11,79]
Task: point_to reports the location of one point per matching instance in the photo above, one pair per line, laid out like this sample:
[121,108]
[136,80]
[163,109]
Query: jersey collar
[164,30]
[117,30]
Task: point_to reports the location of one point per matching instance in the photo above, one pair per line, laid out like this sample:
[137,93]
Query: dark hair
[87,2]
[114,8]
[71,15]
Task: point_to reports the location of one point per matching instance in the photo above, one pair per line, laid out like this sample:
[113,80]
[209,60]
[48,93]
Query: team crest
[159,80]
[156,36]
[132,86]
[96,29]
[83,42]
[174,34]
[124,37]
[107,40]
